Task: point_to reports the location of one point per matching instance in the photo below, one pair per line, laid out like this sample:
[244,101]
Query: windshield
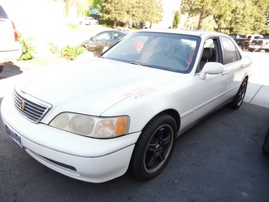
[167,51]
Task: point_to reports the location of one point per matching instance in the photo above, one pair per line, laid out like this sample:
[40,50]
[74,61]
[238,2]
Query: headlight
[91,126]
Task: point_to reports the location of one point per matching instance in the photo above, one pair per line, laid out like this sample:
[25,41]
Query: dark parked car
[266,143]
[103,40]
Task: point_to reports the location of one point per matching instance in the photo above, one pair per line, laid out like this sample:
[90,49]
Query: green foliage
[27,48]
[71,52]
[73,26]
[94,3]
[53,48]
[67,52]
[124,11]
[176,19]
[231,17]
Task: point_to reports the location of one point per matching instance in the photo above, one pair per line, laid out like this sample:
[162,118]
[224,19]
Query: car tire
[240,95]
[154,147]
[267,51]
[265,146]
[1,68]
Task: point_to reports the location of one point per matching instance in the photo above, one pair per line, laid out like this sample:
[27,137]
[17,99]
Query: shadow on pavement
[10,70]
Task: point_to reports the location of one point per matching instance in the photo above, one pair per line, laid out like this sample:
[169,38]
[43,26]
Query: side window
[116,36]
[104,36]
[230,51]
[210,52]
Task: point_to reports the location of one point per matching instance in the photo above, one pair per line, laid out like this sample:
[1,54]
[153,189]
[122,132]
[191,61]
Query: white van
[10,48]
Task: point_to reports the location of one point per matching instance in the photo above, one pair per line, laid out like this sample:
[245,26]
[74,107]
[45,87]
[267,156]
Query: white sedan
[95,119]
[88,21]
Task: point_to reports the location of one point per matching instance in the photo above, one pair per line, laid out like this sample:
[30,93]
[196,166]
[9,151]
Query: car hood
[92,86]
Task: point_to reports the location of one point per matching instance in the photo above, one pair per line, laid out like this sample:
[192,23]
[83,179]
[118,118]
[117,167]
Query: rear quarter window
[3,13]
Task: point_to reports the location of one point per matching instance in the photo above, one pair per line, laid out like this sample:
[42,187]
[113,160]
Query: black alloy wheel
[154,147]
[240,95]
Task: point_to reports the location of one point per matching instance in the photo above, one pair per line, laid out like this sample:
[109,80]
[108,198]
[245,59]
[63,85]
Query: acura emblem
[22,105]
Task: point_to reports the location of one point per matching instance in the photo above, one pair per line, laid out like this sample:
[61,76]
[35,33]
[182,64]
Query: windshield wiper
[140,64]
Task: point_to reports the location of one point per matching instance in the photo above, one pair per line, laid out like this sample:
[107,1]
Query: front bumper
[79,157]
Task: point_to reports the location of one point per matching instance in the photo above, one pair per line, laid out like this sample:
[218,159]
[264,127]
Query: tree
[153,11]
[232,17]
[176,19]
[202,8]
[259,15]
[94,3]
[115,10]
[136,11]
[131,10]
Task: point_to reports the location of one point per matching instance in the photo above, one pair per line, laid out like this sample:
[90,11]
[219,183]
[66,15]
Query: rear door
[232,61]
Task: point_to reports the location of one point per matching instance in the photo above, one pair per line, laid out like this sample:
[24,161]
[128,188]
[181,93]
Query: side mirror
[92,39]
[211,68]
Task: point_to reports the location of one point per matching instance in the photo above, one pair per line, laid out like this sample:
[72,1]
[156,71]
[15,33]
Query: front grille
[31,107]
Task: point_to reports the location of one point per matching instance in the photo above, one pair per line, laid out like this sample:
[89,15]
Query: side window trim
[216,53]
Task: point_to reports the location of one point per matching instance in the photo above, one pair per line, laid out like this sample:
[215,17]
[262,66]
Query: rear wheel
[154,147]
[240,95]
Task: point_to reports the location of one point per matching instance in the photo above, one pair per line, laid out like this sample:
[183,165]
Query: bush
[71,52]
[53,48]
[27,48]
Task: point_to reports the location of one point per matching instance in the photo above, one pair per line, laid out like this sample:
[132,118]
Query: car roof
[116,30]
[199,33]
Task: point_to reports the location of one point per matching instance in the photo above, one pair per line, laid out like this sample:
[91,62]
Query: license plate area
[14,136]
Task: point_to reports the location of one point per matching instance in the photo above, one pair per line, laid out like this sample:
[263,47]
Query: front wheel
[240,95]
[154,147]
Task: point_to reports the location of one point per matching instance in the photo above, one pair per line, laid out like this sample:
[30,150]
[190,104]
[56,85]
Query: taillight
[16,35]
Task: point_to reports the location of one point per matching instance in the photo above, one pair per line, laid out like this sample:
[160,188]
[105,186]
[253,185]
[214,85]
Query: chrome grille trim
[30,107]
